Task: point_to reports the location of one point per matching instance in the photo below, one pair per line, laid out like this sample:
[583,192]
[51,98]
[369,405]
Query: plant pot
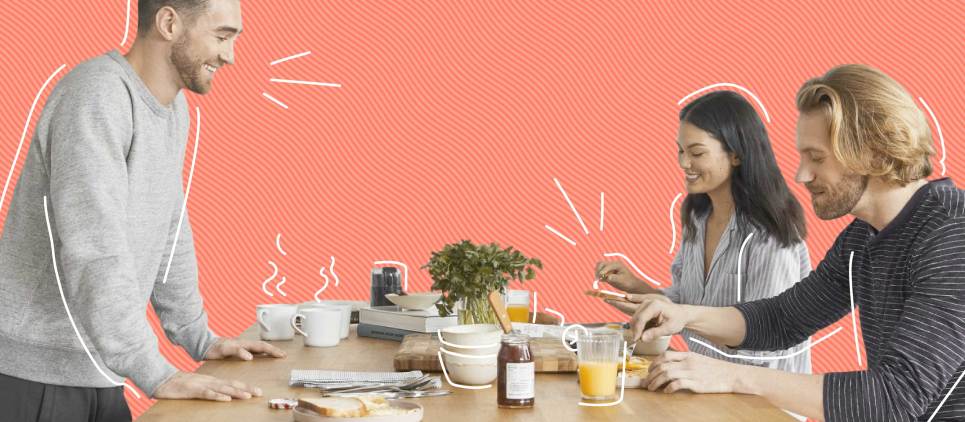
[476,311]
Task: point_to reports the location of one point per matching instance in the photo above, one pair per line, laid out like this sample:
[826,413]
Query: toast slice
[335,407]
[373,403]
[606,294]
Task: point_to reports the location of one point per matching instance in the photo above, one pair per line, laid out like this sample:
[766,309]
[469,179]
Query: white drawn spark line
[292,57]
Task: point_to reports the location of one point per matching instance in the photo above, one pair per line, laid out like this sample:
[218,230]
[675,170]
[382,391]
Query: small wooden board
[418,352]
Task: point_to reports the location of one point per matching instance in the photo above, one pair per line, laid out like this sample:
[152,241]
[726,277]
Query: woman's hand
[618,275]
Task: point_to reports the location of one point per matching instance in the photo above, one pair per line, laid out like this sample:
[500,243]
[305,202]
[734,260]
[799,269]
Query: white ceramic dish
[305,415]
[473,335]
[472,340]
[653,347]
[414,301]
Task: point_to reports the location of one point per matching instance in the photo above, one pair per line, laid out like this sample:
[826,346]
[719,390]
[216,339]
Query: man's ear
[168,23]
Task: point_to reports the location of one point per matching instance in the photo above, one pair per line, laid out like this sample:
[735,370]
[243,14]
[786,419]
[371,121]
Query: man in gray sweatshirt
[103,175]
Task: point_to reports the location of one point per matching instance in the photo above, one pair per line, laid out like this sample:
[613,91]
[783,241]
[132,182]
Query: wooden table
[556,394]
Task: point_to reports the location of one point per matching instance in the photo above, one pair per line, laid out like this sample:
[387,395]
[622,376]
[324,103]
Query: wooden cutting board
[418,352]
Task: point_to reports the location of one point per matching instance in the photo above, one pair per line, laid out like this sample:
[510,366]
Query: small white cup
[344,308]
[320,326]
[273,319]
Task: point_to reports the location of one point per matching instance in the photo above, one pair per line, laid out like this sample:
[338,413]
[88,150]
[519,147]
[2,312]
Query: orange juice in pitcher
[517,305]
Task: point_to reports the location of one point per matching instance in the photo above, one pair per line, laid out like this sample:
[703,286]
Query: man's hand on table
[185,385]
[675,371]
[228,347]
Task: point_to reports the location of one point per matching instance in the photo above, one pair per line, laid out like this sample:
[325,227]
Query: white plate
[305,415]
[414,301]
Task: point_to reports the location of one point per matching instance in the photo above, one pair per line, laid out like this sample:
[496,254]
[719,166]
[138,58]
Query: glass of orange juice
[599,361]
[517,305]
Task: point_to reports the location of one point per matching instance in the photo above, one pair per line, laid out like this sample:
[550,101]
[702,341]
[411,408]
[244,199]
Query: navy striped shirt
[909,285]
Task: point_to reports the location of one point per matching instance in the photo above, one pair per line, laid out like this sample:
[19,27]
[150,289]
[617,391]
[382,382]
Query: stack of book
[393,323]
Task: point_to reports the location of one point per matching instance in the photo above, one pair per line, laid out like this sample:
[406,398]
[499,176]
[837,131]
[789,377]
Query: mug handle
[294,317]
[261,321]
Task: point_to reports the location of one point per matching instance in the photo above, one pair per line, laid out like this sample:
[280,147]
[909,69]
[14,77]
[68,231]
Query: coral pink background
[454,118]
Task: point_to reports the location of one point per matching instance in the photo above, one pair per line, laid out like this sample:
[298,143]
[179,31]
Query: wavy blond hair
[876,127]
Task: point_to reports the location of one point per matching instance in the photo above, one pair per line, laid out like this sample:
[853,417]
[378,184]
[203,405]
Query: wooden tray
[418,352]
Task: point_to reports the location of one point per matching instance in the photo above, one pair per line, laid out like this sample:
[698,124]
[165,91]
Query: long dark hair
[761,197]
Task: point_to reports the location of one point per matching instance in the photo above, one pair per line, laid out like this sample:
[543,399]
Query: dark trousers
[28,401]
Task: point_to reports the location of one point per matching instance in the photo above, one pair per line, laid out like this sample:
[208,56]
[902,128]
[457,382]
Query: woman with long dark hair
[743,231]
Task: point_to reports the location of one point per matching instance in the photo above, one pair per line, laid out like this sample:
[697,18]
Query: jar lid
[515,337]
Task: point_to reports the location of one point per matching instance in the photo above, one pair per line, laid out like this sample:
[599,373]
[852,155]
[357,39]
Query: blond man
[865,149]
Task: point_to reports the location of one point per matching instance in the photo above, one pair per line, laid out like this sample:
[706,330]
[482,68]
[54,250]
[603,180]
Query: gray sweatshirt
[109,157]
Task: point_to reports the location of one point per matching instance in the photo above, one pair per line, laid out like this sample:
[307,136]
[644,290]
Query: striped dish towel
[299,377]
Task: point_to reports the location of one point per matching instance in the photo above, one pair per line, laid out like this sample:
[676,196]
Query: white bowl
[652,347]
[414,301]
[479,343]
[473,335]
[470,371]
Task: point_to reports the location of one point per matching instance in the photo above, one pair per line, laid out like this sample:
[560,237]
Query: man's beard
[838,200]
[189,70]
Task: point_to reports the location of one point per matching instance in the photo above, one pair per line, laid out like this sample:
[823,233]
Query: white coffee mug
[320,326]
[345,308]
[274,321]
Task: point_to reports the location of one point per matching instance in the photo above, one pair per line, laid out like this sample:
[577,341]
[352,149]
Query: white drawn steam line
[405,268]
[23,135]
[278,102]
[938,127]
[274,273]
[767,116]
[280,283]
[70,317]
[634,266]
[321,272]
[740,255]
[187,192]
[854,322]
[278,245]
[673,223]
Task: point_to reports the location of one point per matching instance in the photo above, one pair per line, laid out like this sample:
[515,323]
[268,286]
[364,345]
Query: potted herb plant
[468,272]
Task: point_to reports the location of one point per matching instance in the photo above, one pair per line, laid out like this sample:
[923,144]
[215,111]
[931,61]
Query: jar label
[520,380]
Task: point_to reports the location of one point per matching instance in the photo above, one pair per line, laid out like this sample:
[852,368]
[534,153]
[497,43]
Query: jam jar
[516,382]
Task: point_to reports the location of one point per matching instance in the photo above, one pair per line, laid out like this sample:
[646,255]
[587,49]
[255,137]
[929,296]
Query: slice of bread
[373,403]
[335,407]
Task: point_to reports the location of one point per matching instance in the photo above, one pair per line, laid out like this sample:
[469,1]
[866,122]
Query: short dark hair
[147,10]
[761,197]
